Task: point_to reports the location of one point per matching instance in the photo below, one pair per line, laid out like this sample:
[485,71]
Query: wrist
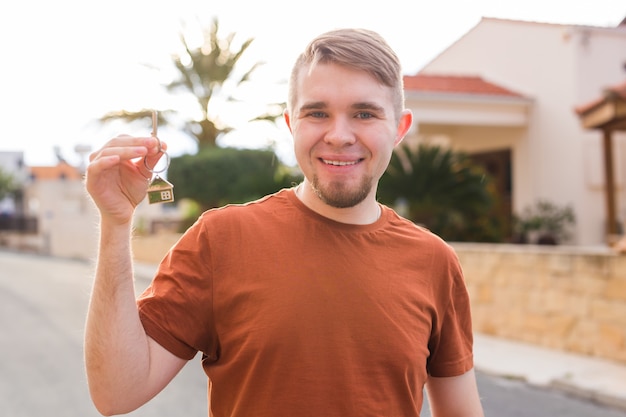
[114,229]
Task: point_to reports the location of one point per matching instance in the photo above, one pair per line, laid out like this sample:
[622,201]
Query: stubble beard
[340,195]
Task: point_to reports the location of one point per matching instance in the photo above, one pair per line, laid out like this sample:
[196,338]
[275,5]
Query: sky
[66,63]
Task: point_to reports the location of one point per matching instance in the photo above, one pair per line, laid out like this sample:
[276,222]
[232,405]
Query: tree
[218,176]
[201,73]
[443,191]
[8,185]
[214,176]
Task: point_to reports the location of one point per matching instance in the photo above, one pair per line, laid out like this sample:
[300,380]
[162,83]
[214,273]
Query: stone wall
[566,298]
[151,249]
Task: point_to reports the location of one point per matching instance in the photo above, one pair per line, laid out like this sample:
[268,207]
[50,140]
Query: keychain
[159,190]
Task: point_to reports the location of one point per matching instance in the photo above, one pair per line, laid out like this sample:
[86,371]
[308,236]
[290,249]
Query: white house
[66,218]
[506,92]
[62,219]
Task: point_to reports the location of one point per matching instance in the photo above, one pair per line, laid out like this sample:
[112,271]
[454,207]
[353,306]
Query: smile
[340,163]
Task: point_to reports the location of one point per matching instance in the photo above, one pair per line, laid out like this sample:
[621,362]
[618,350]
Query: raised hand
[118,176]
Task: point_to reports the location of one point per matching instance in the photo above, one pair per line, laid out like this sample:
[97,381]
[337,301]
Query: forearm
[116,346]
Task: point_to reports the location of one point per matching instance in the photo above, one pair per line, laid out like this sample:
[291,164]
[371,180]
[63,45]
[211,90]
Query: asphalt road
[43,302]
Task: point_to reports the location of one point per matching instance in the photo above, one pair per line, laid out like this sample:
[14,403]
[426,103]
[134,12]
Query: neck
[366,212]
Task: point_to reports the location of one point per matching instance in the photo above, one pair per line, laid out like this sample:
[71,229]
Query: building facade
[507,91]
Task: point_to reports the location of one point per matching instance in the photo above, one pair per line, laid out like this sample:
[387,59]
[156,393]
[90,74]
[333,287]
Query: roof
[455,84]
[608,112]
[615,92]
[62,171]
[544,23]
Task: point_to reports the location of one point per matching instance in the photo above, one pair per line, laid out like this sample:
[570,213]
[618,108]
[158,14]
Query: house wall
[67,219]
[559,67]
[476,138]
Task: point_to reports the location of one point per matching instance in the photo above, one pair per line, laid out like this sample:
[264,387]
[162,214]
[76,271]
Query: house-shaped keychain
[160,191]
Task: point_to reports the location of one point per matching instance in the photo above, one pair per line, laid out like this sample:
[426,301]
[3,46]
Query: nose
[340,132]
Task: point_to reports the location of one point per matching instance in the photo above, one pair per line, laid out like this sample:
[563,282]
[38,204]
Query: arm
[454,396]
[125,368]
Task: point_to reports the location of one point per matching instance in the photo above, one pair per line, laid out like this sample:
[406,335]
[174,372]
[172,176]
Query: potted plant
[544,223]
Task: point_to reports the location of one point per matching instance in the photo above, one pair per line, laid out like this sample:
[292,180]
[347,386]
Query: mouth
[340,163]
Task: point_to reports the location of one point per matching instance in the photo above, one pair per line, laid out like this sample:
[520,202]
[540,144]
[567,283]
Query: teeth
[339,163]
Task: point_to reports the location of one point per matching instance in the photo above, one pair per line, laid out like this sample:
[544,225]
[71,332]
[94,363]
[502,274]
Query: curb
[612,401]
[594,379]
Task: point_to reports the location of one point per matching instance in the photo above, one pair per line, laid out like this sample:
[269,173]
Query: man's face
[344,129]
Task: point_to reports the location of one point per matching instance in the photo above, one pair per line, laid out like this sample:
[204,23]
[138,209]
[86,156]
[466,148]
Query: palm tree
[202,72]
[443,191]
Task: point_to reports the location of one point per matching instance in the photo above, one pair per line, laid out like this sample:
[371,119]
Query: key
[159,190]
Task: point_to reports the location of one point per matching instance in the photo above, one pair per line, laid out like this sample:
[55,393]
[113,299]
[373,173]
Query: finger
[103,163]
[157,148]
[98,167]
[127,140]
[156,163]
[124,153]
[128,147]
[124,138]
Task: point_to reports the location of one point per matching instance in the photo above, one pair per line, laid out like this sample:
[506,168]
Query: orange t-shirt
[299,315]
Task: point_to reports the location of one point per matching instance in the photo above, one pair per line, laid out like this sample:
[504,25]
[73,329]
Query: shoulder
[416,235]
[238,212]
[221,228]
[419,246]
[268,212]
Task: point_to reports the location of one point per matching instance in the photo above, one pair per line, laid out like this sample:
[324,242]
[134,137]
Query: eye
[316,114]
[364,115]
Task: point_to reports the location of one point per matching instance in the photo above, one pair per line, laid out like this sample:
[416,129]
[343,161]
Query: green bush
[218,176]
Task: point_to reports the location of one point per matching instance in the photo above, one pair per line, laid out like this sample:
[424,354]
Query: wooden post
[610,185]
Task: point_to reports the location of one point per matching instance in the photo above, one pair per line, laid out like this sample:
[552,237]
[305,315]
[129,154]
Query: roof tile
[61,171]
[455,85]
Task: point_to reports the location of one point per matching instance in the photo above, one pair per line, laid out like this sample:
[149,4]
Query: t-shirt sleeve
[451,342]
[176,309]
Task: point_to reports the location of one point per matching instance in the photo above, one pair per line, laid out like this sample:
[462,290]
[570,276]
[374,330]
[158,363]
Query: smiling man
[314,301]
[345,127]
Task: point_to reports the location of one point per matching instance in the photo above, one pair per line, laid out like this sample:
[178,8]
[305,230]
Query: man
[314,301]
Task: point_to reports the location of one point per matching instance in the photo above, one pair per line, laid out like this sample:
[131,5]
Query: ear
[405,123]
[287,119]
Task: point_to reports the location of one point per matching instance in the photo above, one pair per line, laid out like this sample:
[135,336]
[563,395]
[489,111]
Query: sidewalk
[597,379]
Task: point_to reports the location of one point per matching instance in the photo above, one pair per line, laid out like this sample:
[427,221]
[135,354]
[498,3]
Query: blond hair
[358,49]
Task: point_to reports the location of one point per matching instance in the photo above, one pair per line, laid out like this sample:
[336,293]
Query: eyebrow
[363,105]
[314,105]
[367,105]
